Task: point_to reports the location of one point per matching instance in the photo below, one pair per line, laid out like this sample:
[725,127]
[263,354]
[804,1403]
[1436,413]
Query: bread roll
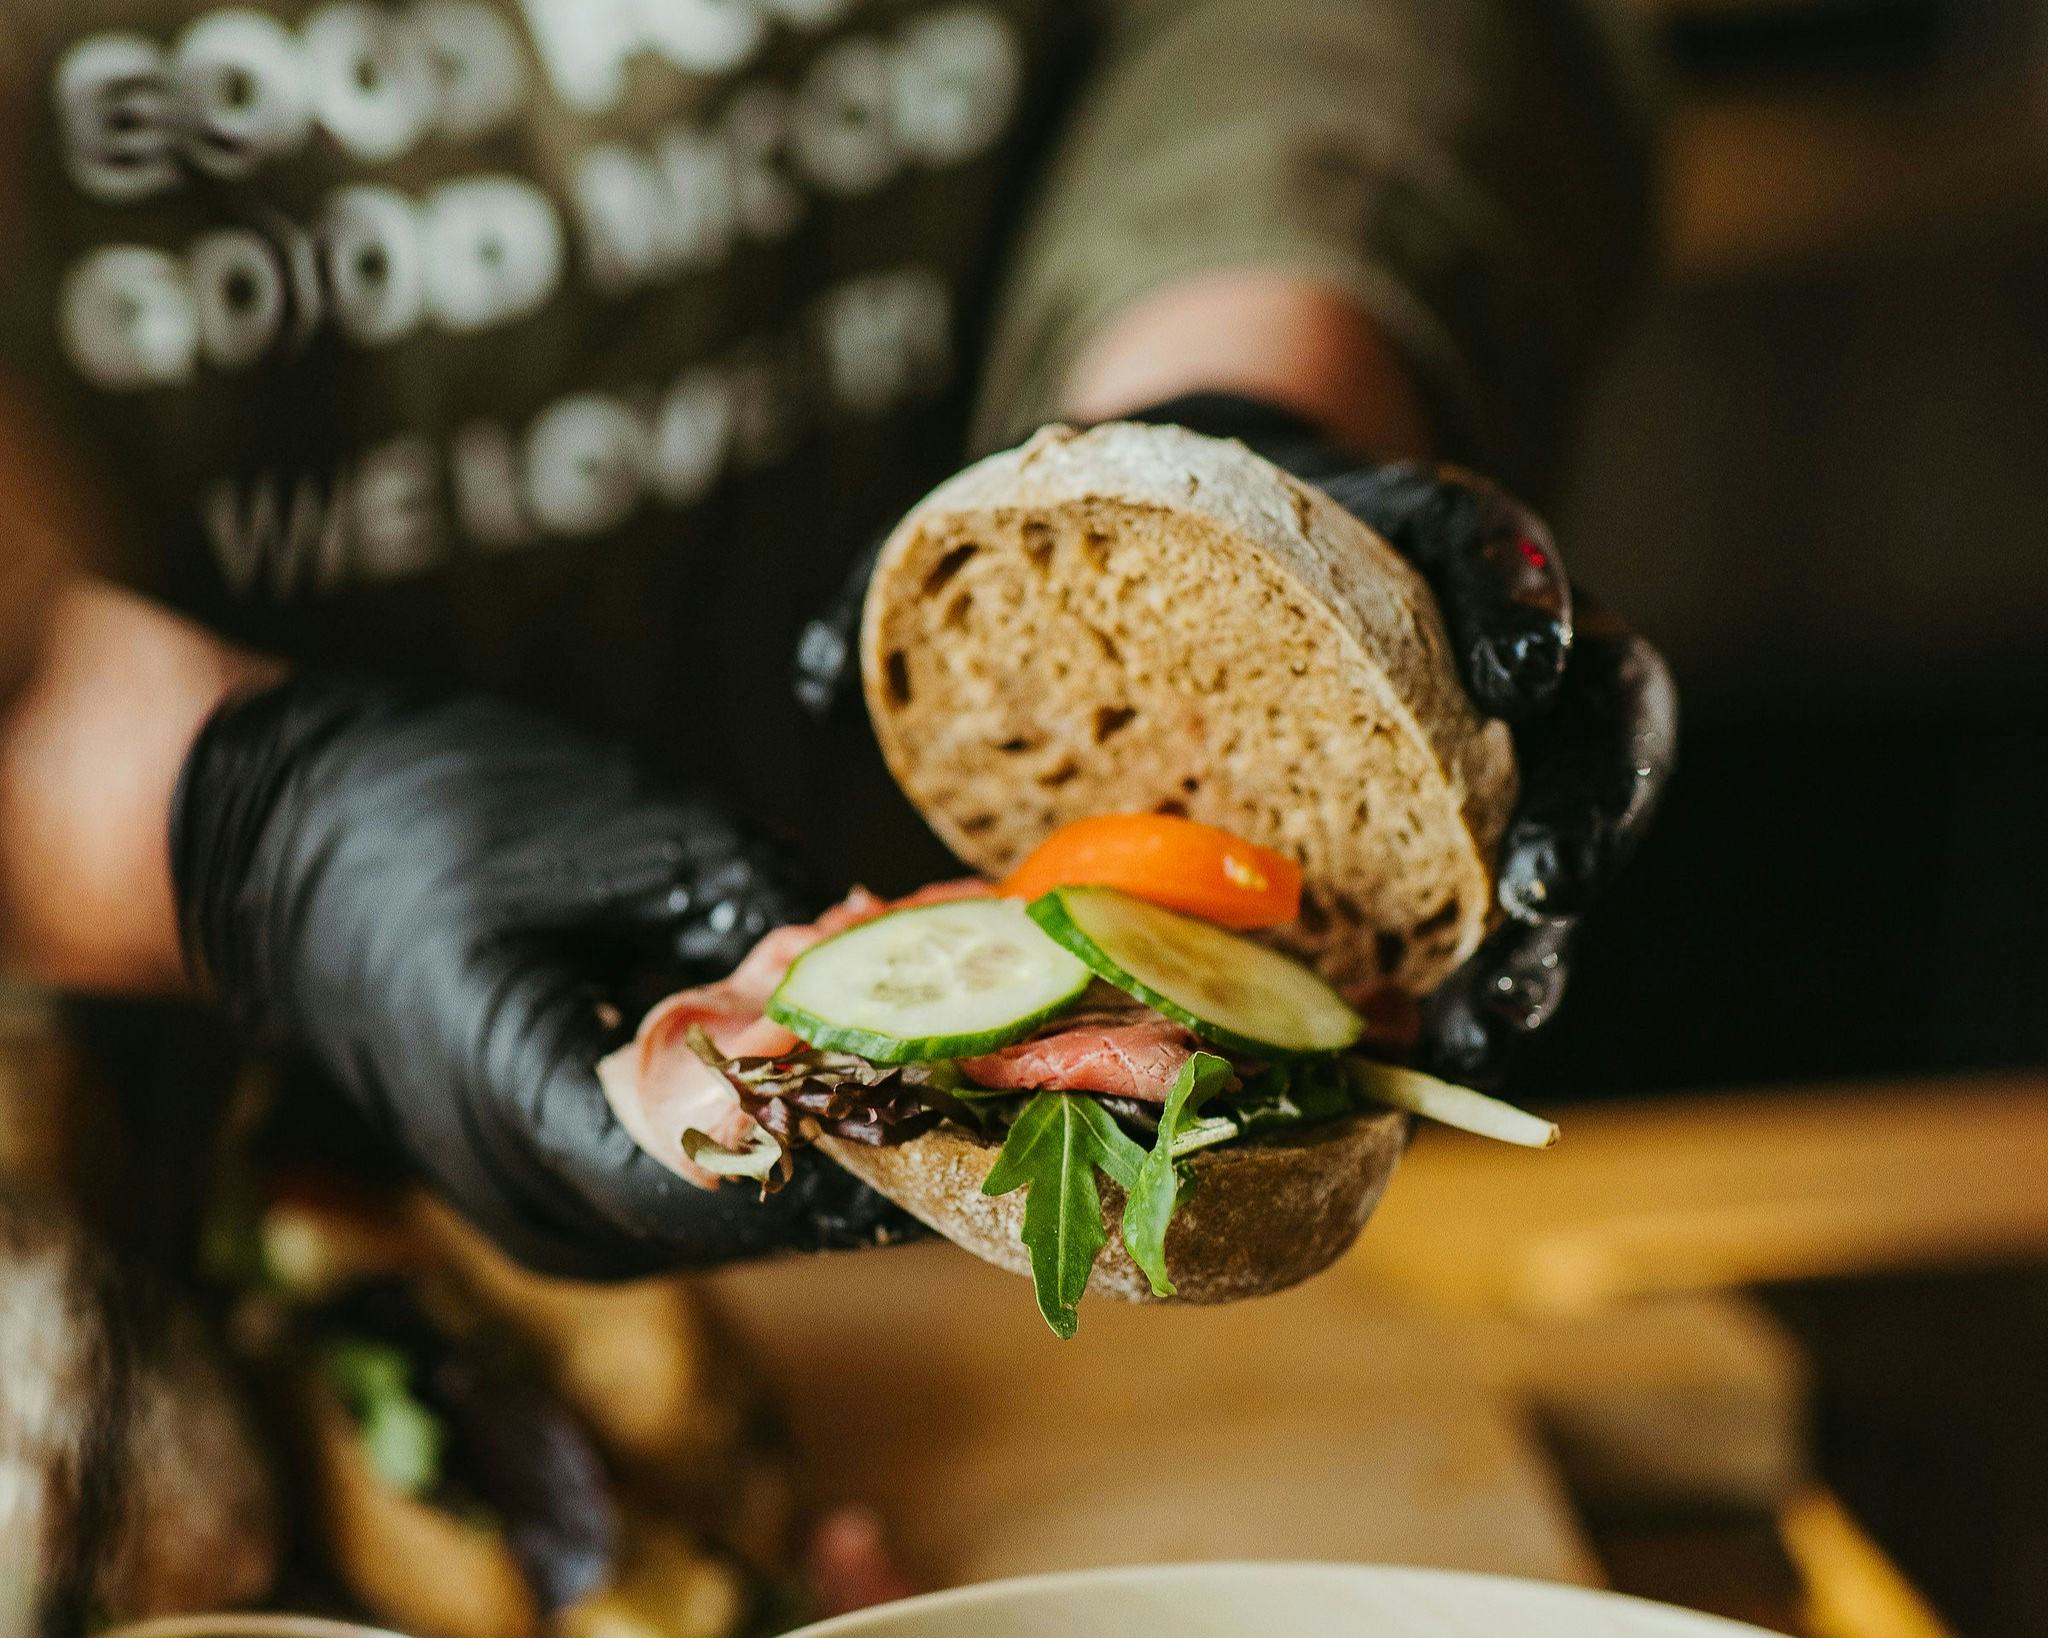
[1263,1215]
[1138,617]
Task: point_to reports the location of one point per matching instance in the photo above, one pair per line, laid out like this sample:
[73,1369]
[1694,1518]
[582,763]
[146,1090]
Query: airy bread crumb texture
[1137,618]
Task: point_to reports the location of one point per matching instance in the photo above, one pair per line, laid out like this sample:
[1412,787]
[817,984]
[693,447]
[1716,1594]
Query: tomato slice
[1183,865]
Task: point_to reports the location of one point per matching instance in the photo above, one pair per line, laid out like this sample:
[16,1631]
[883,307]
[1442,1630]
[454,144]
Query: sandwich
[1196,732]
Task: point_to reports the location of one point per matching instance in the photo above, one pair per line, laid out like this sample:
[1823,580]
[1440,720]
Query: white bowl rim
[1564,1597]
[246,1624]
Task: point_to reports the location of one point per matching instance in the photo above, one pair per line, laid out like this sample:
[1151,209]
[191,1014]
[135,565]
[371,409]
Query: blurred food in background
[132,1483]
[1816,474]
[357,1406]
[487,1454]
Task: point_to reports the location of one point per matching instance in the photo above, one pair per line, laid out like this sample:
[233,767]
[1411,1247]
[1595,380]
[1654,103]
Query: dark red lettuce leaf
[807,1094]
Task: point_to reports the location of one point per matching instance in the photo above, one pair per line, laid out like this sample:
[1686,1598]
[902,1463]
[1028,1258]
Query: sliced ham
[1133,1053]
[659,1088]
[660,1095]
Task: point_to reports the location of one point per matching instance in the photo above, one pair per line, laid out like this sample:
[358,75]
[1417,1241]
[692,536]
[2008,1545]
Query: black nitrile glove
[1591,703]
[455,908]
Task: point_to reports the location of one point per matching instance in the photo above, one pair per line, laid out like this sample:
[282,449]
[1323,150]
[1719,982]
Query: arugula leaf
[1296,1094]
[1150,1202]
[1053,1151]
[1116,1153]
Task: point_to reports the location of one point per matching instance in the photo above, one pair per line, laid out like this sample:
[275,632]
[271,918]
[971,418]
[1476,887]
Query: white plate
[1261,1600]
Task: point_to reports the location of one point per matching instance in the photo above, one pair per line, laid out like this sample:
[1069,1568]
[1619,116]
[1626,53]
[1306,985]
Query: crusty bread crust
[1264,1215]
[1138,617]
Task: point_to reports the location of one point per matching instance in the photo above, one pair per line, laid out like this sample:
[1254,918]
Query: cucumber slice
[938,981]
[1224,987]
[1449,1105]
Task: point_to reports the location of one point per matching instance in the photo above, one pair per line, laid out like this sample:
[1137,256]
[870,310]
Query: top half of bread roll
[1140,618]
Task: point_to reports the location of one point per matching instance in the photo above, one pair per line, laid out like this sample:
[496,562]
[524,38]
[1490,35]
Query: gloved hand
[1591,703]
[448,904]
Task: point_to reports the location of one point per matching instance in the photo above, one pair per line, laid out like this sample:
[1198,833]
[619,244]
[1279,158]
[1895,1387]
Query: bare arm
[106,696]
[89,755]
[1274,336]
[1424,214]
[101,694]
[31,553]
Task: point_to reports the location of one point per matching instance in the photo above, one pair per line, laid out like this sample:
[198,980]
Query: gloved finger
[1506,601]
[730,909]
[1505,992]
[653,1222]
[673,1225]
[547,1170]
[684,912]
[583,839]
[826,666]
[1592,772]
[671,886]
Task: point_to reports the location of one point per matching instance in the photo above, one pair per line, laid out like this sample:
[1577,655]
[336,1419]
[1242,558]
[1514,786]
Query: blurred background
[1818,473]
[1765,1334]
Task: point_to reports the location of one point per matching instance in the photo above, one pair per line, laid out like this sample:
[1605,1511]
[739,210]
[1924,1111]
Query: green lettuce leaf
[764,1159]
[1303,1093]
[402,1438]
[1053,1152]
[1151,1201]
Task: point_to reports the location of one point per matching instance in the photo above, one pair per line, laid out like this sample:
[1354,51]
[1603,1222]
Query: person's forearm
[90,751]
[1471,173]
[39,526]
[1272,336]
